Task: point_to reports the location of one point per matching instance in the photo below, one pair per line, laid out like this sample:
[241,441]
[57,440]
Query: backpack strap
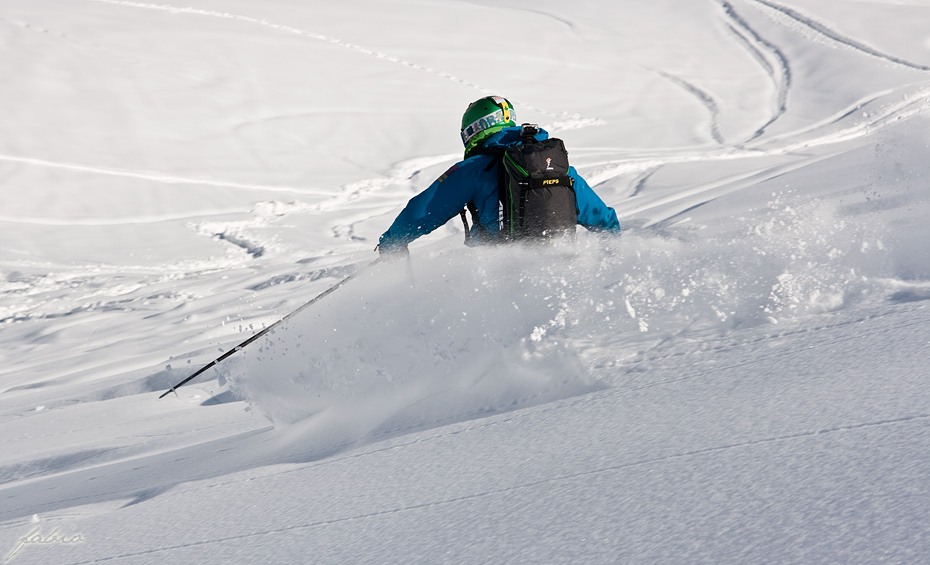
[498,154]
[465,223]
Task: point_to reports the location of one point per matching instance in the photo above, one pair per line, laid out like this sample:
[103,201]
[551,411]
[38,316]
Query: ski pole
[266,330]
[410,275]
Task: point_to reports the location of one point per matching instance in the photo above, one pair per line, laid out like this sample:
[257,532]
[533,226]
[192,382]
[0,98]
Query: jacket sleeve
[593,214]
[435,206]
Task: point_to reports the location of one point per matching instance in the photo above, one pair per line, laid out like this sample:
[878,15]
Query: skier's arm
[593,214]
[433,207]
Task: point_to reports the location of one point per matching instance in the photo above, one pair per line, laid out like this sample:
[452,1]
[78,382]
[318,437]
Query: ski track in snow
[907,105]
[639,184]
[155,219]
[703,98]
[835,36]
[565,120]
[238,232]
[152,176]
[352,191]
[778,72]
[915,103]
[780,76]
[401,173]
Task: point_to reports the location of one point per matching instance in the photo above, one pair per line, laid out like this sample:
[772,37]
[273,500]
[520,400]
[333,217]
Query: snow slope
[740,378]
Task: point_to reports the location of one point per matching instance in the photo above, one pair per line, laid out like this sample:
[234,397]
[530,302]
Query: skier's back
[488,130]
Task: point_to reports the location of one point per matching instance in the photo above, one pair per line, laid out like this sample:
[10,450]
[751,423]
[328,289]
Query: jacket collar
[503,139]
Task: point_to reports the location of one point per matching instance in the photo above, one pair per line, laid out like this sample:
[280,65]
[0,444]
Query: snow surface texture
[741,378]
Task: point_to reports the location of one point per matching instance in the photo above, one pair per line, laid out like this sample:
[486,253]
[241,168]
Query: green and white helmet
[484,118]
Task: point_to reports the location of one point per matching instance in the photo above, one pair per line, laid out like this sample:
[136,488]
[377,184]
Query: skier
[488,128]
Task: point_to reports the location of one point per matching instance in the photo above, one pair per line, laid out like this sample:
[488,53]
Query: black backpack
[537,199]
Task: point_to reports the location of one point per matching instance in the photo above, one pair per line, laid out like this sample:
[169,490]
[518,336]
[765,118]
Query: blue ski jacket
[476,179]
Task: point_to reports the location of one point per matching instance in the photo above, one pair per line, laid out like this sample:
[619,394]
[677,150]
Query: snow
[740,378]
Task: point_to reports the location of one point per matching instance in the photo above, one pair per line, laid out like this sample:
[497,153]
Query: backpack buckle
[529,130]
